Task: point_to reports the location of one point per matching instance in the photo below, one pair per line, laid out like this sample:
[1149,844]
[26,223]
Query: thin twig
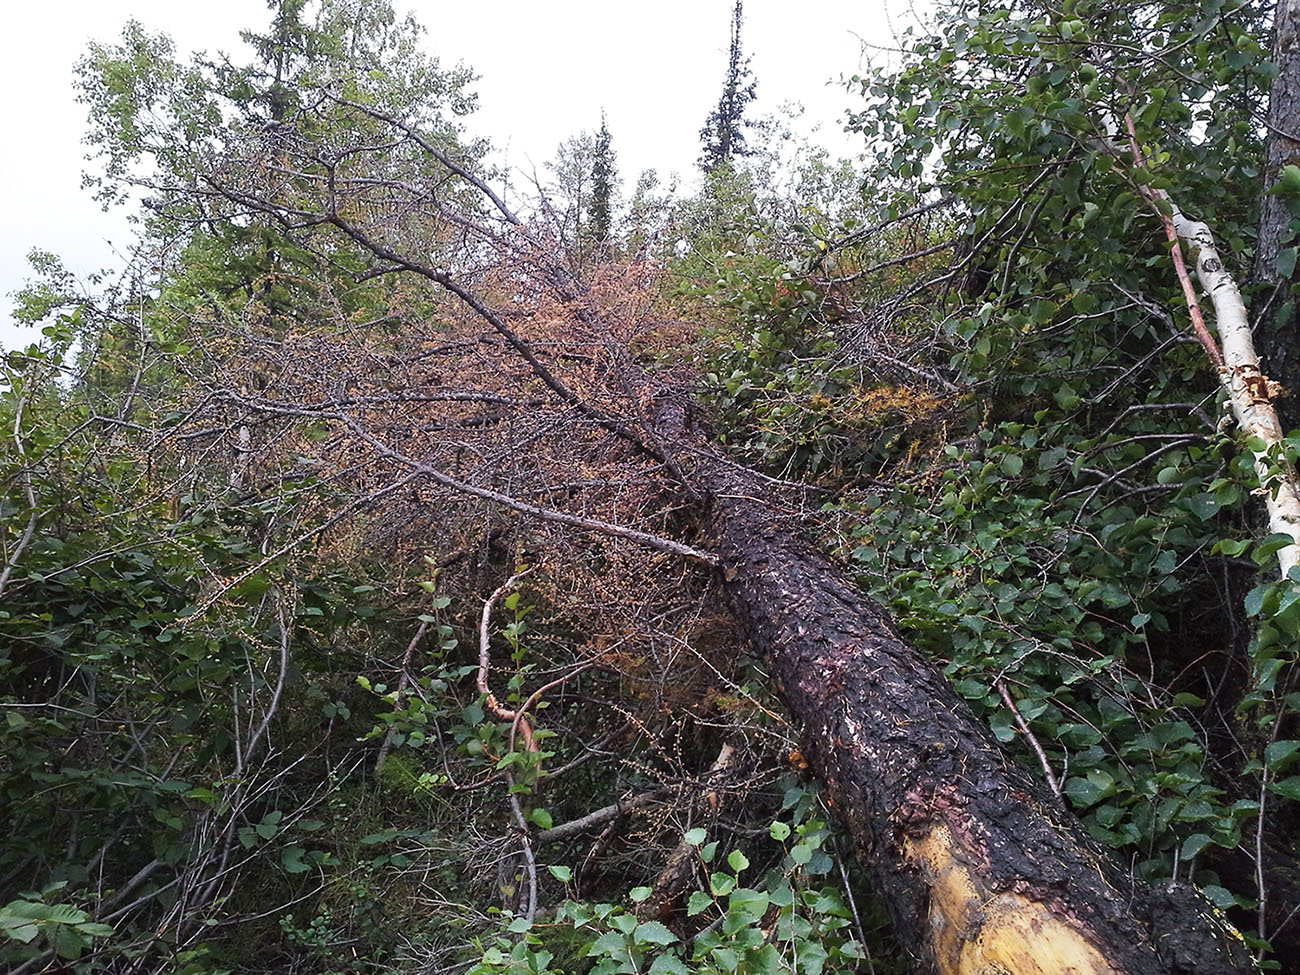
[12,561]
[485,662]
[848,892]
[1203,333]
[490,700]
[599,816]
[521,714]
[1029,736]
[285,634]
[402,683]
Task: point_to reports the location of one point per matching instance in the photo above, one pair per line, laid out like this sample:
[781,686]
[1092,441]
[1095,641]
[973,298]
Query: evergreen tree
[604,172]
[723,135]
[288,47]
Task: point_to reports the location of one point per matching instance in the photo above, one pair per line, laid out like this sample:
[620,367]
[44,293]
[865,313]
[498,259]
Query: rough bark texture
[1279,341]
[981,869]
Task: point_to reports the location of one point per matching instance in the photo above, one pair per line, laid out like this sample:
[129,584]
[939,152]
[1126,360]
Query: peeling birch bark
[1249,391]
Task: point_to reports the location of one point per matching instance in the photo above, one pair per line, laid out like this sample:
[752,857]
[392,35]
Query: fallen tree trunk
[980,868]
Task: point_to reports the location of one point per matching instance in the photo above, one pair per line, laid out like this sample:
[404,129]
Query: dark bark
[1277,324]
[979,866]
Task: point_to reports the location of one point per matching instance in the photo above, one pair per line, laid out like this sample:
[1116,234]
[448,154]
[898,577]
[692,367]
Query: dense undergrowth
[246,726]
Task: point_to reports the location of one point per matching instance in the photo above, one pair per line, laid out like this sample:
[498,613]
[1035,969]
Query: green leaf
[67,941]
[1204,506]
[1219,896]
[812,958]
[1254,600]
[1280,754]
[637,894]
[59,914]
[17,919]
[1193,845]
[700,901]
[779,831]
[726,959]
[560,873]
[1287,788]
[1288,183]
[747,904]
[695,836]
[292,859]
[542,818]
[737,860]
[1067,398]
[609,943]
[765,961]
[722,884]
[1089,790]
[655,933]
[1269,547]
[668,964]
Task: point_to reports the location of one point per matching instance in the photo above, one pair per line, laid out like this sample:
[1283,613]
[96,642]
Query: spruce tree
[723,135]
[603,175]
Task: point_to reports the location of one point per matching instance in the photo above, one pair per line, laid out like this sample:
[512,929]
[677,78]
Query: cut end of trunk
[977,932]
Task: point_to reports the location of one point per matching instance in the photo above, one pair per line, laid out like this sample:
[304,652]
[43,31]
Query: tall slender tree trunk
[1277,321]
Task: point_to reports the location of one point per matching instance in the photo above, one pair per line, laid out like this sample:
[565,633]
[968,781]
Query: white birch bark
[1247,387]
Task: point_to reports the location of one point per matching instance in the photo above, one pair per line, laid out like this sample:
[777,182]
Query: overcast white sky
[548,69]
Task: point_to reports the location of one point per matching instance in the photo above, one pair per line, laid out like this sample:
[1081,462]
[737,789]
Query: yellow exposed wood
[976,932]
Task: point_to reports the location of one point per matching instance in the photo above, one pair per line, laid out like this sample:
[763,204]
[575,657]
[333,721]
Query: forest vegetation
[875,566]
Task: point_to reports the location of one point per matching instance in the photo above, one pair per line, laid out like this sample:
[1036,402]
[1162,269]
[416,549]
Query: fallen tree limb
[599,816]
[1249,390]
